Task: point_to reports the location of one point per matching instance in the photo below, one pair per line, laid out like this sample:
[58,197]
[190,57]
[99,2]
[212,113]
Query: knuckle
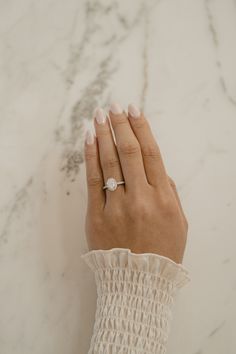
[143,209]
[116,213]
[151,152]
[110,163]
[139,208]
[90,155]
[103,132]
[129,148]
[94,181]
[120,121]
[140,123]
[168,206]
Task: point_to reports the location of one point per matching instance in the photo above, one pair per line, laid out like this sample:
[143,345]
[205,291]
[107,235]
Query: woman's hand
[145,214]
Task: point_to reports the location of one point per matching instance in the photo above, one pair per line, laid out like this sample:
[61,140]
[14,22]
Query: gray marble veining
[58,61]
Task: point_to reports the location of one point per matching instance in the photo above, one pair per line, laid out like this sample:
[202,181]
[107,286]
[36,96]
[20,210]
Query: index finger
[96,195]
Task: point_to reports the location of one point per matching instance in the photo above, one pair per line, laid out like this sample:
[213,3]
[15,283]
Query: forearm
[135,295]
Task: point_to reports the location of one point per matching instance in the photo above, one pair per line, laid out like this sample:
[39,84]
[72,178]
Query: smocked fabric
[135,296]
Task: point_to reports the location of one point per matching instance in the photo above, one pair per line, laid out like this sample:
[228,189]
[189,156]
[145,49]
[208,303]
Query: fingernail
[116,108]
[89,138]
[100,116]
[133,111]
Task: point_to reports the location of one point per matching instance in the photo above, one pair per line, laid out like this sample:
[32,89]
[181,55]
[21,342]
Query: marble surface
[58,61]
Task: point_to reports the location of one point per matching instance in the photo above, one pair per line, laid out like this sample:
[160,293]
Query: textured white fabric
[135,294]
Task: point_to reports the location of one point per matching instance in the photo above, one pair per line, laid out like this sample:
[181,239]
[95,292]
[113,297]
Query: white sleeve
[135,294]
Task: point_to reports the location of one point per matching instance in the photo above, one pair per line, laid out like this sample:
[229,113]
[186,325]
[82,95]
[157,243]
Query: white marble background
[58,61]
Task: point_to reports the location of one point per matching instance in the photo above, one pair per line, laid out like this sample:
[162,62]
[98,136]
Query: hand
[144,215]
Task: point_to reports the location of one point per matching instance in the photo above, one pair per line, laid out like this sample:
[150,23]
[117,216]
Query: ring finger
[109,158]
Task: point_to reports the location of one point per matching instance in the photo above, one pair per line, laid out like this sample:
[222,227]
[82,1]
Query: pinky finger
[96,195]
[173,186]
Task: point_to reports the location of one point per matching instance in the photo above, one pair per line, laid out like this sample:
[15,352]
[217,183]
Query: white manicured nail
[89,138]
[116,108]
[100,116]
[133,111]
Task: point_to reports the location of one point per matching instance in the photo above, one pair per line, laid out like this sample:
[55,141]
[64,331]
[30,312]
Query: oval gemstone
[111,184]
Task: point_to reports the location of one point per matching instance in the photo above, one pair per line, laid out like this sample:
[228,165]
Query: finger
[174,188]
[108,155]
[96,195]
[153,163]
[128,148]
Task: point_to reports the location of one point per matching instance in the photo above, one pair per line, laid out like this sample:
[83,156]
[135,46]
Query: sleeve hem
[144,262]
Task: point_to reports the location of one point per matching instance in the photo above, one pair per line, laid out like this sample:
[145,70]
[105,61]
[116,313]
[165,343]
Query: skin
[144,215]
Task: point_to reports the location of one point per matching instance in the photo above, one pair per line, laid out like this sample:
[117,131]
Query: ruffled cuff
[135,294]
[152,263]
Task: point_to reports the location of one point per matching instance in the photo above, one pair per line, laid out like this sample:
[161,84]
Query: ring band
[112,184]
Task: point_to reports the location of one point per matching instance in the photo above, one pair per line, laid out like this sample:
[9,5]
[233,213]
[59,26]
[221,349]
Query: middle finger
[128,148]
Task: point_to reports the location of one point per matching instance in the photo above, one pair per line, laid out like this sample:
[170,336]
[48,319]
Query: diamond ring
[112,184]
